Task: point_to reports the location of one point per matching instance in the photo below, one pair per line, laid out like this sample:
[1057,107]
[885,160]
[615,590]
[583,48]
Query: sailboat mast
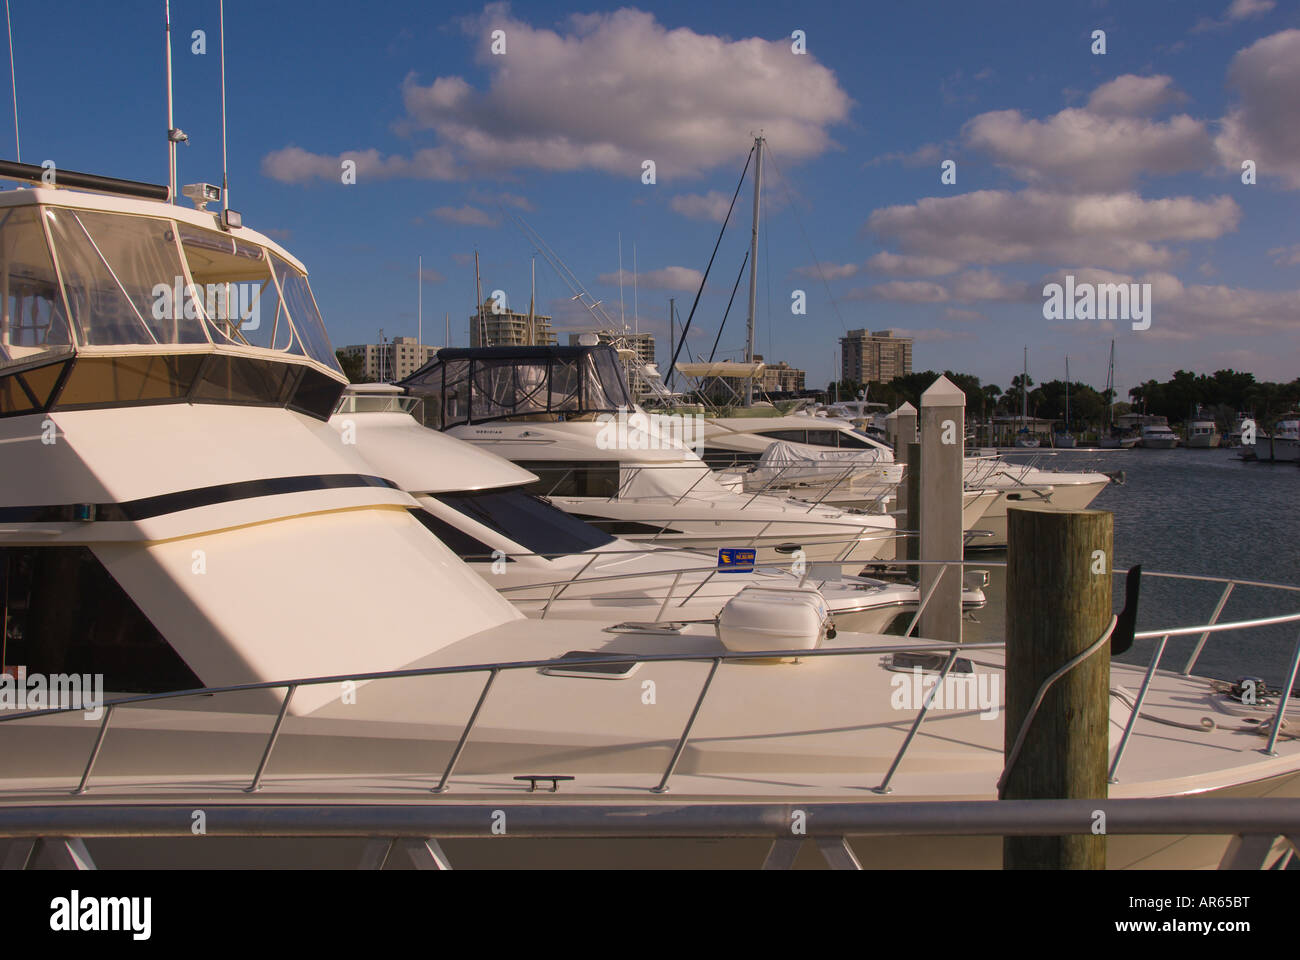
[1024,394]
[1110,387]
[1067,394]
[532,297]
[753,264]
[478,298]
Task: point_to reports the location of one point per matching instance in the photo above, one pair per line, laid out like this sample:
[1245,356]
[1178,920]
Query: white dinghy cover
[785,462]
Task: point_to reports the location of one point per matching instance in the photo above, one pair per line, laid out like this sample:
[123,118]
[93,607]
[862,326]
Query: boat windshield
[480,384]
[121,280]
[528,520]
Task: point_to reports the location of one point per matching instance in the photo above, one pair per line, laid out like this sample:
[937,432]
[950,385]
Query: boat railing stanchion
[464,734]
[1283,701]
[270,743]
[94,752]
[1214,618]
[916,617]
[686,731]
[561,587]
[920,718]
[668,597]
[1113,775]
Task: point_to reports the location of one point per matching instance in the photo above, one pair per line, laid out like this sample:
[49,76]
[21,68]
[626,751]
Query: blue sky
[1111,167]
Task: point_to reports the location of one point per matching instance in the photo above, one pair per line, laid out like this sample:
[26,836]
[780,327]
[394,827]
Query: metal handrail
[492,669]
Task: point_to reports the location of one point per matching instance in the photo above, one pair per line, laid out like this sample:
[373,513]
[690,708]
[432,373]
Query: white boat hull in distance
[1073,496]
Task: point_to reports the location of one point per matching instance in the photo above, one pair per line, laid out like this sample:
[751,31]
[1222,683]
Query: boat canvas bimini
[564,414]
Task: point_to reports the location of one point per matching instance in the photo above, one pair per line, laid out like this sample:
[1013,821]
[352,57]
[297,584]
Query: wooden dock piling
[1058,604]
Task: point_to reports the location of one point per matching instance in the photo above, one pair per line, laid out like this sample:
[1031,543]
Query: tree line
[1223,394]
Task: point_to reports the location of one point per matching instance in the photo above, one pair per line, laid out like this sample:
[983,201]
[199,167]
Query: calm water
[1202,512]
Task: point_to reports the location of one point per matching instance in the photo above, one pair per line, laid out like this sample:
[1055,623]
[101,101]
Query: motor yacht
[273,623]
[1202,432]
[990,483]
[1156,435]
[564,414]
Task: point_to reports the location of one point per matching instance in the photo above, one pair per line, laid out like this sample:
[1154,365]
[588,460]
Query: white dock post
[943,429]
[902,426]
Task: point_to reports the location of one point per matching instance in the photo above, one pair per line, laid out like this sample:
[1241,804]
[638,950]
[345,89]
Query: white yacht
[564,414]
[1156,435]
[990,482]
[268,616]
[548,562]
[1202,432]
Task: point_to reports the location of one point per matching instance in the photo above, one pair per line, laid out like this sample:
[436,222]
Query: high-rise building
[874,357]
[392,360]
[506,328]
[780,377]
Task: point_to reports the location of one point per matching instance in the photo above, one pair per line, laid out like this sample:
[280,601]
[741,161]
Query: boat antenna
[753,263]
[636,320]
[18,147]
[174,135]
[622,319]
[419,300]
[225,180]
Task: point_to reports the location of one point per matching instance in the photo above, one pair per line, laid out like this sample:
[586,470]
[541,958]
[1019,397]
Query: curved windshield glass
[123,279]
[33,320]
[529,521]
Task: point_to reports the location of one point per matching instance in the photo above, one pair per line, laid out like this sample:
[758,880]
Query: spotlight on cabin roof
[201,194]
[588,339]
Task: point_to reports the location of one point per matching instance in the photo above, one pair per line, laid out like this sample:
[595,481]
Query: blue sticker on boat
[736,560]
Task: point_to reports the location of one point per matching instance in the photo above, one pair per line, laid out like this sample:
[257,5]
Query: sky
[1115,167]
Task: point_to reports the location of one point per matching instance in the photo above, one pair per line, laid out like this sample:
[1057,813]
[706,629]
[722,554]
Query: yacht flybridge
[565,414]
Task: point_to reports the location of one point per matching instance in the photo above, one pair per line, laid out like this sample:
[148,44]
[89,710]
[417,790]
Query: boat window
[456,540]
[103,632]
[305,315]
[789,436]
[719,458]
[228,379]
[134,379]
[122,275]
[824,438]
[378,403]
[624,528]
[580,478]
[32,320]
[30,390]
[527,520]
[852,440]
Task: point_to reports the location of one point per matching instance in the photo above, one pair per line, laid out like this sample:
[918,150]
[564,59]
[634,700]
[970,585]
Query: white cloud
[1034,226]
[1286,256]
[609,90]
[899,265]
[665,278]
[1265,125]
[702,206]
[907,291]
[831,271]
[295,165]
[1082,149]
[1237,11]
[466,216]
[1131,95]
